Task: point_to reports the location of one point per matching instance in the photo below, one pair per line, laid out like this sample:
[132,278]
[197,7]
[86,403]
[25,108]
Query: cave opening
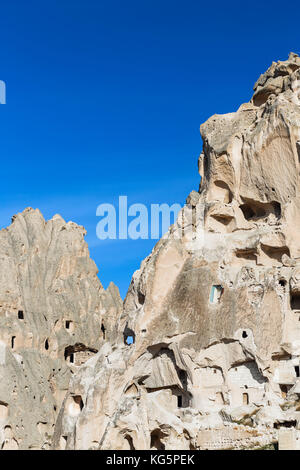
[284,389]
[129,336]
[282,282]
[286,424]
[130,442]
[245,399]
[20,315]
[78,400]
[255,210]
[156,440]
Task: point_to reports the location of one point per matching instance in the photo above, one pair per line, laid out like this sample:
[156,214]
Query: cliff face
[205,352]
[214,310]
[53,317]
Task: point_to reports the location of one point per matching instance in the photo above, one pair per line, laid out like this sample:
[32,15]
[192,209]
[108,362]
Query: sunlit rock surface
[214,311]
[54,315]
[205,353]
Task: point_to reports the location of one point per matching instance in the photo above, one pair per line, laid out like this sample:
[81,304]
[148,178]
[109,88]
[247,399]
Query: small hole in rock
[20,315]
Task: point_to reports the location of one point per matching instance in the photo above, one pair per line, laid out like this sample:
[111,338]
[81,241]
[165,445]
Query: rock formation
[205,353]
[54,315]
[213,314]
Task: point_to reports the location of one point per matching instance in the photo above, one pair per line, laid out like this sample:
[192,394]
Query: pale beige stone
[52,306]
[214,310]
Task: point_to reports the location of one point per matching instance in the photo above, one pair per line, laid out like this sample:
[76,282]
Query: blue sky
[105,98]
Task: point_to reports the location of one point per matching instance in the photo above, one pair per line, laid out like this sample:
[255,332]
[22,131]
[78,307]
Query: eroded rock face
[54,315]
[214,311]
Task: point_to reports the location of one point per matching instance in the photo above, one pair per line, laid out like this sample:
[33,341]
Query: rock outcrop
[54,316]
[206,350]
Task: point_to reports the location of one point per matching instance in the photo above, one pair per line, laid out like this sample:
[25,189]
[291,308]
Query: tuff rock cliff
[54,315]
[205,352]
[214,310]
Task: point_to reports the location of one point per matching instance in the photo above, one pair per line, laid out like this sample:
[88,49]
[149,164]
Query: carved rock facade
[214,311]
[54,314]
[205,353]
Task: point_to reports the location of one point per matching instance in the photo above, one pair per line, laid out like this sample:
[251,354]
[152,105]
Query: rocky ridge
[205,352]
[214,310]
[54,315]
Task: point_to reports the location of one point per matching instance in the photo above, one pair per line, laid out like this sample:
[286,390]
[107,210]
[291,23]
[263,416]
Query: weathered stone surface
[214,310]
[52,308]
[205,353]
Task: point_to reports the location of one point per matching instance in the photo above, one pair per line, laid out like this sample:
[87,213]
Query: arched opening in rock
[8,432]
[156,440]
[41,427]
[129,442]
[47,344]
[245,334]
[68,324]
[297,371]
[255,210]
[285,424]
[245,399]
[282,283]
[221,192]
[78,400]
[141,298]
[74,405]
[275,253]
[284,389]
[20,315]
[83,353]
[260,97]
[129,336]
[179,401]
[13,339]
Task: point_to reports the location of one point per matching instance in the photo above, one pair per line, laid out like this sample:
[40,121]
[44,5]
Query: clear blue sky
[105,98]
